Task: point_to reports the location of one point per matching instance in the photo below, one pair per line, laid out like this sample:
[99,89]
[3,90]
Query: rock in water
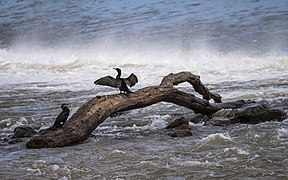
[257,114]
[184,126]
[23,131]
[177,123]
[252,114]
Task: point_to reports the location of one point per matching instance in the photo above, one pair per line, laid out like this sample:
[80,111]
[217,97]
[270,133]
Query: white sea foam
[54,167]
[34,171]
[282,133]
[144,164]
[196,124]
[196,163]
[191,163]
[116,151]
[11,124]
[74,65]
[157,122]
[238,150]
[216,139]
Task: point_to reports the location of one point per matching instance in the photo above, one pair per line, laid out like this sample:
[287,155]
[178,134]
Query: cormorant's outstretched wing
[131,80]
[108,81]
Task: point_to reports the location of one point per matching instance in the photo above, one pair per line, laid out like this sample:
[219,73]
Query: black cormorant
[118,82]
[62,117]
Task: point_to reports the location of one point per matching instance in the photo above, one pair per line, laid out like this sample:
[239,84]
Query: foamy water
[63,65]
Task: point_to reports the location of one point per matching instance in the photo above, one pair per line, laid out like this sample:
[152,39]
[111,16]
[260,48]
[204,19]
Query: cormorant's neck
[118,75]
[65,108]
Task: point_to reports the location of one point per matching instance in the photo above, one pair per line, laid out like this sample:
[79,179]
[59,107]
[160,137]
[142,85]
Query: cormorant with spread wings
[118,82]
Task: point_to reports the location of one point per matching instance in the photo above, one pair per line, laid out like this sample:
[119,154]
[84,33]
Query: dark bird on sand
[118,82]
[62,117]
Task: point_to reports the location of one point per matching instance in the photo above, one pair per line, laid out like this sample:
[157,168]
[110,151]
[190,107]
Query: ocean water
[51,52]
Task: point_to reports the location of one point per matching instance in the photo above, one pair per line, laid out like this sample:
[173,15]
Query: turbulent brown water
[52,51]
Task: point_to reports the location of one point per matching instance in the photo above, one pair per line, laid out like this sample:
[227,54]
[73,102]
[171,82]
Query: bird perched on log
[62,117]
[118,82]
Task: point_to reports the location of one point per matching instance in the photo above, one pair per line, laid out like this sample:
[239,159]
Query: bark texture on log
[90,115]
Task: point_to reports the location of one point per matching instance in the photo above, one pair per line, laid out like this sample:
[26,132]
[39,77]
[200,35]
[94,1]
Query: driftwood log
[90,115]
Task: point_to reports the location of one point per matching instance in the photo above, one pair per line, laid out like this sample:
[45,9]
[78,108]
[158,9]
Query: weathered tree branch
[90,115]
[194,80]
